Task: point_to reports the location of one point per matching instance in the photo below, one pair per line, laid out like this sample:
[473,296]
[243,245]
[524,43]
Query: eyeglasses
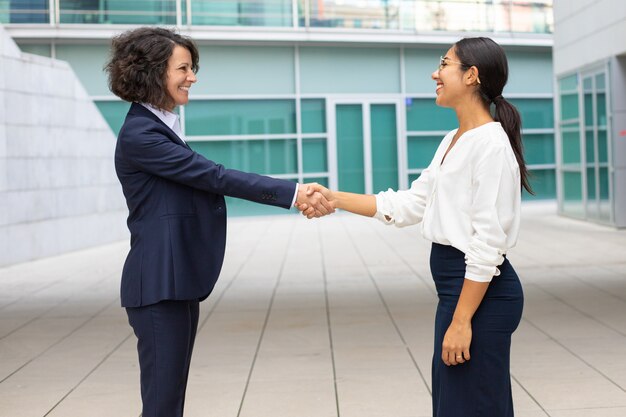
[443,61]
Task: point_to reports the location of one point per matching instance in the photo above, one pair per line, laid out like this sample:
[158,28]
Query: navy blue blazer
[177,214]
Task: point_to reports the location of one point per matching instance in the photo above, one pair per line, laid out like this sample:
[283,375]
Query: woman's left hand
[456,343]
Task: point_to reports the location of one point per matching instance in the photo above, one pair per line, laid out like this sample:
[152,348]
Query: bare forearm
[471,296]
[363,204]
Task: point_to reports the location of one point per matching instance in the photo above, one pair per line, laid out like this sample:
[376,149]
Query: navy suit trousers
[165,333]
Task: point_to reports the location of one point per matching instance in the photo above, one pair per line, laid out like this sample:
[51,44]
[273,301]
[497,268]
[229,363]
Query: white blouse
[471,201]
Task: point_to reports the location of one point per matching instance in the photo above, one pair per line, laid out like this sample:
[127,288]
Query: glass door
[366,145]
[598,205]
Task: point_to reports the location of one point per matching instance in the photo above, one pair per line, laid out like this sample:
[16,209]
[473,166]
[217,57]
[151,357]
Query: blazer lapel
[138,109]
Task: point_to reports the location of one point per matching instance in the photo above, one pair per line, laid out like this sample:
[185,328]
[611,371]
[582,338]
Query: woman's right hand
[310,211]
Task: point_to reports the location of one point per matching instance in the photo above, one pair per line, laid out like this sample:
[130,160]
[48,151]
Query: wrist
[462,319]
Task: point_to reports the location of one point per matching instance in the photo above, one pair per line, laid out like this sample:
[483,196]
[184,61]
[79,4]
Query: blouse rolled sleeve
[495,190]
[406,207]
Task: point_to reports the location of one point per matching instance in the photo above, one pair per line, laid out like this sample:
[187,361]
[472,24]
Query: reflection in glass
[428,15]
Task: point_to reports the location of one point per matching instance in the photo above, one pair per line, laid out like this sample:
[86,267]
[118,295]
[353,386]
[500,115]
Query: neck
[472,114]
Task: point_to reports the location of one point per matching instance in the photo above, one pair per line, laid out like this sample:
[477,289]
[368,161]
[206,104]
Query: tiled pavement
[323,318]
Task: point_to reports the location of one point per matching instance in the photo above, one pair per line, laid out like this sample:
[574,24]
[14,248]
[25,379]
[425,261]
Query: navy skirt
[480,387]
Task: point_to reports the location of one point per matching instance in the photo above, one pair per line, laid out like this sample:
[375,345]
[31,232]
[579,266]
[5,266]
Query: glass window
[87,62]
[240,117]
[352,14]
[543,183]
[571,145]
[143,12]
[538,149]
[114,112]
[314,155]
[413,177]
[572,193]
[244,70]
[43,49]
[350,157]
[24,11]
[603,153]
[535,113]
[424,114]
[421,150]
[266,157]
[336,69]
[384,147]
[589,146]
[569,106]
[313,116]
[242,12]
[320,180]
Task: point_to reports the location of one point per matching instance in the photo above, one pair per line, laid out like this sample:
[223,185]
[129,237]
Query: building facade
[338,92]
[590,69]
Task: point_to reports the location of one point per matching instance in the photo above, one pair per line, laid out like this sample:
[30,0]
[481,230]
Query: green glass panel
[572,193]
[413,177]
[242,13]
[314,155]
[591,184]
[603,152]
[589,146]
[231,70]
[384,147]
[419,64]
[589,110]
[539,149]
[601,109]
[87,62]
[569,106]
[529,72]
[24,11]
[266,157]
[421,150]
[114,112]
[605,202]
[568,83]
[424,114]
[535,113]
[118,11]
[543,183]
[239,117]
[43,50]
[313,113]
[320,180]
[341,69]
[601,82]
[351,171]
[571,146]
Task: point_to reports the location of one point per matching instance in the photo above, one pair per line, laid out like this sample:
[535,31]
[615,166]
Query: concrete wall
[58,189]
[587,31]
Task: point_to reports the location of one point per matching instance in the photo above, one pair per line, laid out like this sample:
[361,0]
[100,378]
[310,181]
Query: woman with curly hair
[177,214]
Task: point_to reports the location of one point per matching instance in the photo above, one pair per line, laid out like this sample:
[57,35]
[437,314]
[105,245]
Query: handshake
[315,200]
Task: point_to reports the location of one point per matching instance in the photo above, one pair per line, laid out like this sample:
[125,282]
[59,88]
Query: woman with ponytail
[468,204]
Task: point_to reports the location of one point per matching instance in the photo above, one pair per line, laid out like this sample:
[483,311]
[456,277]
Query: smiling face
[180,76]
[451,85]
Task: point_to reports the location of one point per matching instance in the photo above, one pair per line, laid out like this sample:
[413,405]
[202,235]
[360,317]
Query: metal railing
[391,15]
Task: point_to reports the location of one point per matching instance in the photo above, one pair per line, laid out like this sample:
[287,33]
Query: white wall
[58,189]
[586,31]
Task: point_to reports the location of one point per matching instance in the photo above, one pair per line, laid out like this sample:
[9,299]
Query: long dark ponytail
[493,72]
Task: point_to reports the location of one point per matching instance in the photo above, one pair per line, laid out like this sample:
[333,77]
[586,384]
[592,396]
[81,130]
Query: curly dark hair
[137,68]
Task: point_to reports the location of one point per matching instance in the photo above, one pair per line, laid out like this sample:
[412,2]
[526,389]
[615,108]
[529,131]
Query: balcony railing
[392,15]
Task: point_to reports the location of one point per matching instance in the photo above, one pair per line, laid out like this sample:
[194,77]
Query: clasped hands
[315,200]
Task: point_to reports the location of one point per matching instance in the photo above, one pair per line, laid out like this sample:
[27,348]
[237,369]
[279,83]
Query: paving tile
[70,350]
